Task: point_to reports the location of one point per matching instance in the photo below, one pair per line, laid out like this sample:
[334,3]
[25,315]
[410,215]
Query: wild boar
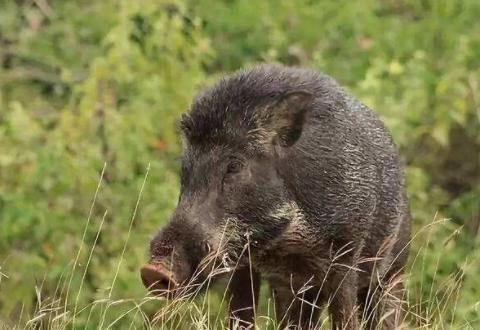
[285,176]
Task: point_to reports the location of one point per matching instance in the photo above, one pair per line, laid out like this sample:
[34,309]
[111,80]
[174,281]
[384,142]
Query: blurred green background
[88,83]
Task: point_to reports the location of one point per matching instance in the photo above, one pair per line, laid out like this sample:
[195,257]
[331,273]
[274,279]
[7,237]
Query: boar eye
[234,167]
[207,248]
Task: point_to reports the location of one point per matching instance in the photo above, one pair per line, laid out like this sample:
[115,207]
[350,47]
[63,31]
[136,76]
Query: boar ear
[186,125]
[285,117]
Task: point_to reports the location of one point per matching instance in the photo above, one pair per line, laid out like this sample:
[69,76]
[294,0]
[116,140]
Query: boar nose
[157,279]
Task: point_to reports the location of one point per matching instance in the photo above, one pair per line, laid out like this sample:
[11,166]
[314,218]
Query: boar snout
[157,279]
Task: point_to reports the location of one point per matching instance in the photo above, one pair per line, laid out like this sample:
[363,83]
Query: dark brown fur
[289,178]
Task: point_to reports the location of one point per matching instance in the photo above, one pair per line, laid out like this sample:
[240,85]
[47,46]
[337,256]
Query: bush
[90,93]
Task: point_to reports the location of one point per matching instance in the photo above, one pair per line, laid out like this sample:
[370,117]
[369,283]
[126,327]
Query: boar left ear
[186,125]
[285,117]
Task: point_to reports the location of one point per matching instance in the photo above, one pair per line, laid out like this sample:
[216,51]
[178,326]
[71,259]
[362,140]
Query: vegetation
[90,94]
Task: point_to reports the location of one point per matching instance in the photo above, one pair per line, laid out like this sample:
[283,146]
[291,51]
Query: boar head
[233,192]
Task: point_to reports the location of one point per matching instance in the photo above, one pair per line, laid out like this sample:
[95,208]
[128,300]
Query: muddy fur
[287,177]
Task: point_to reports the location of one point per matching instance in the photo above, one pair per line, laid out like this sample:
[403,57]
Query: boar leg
[243,290]
[343,296]
[390,308]
[382,304]
[296,309]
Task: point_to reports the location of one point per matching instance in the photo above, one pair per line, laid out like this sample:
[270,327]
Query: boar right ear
[284,118]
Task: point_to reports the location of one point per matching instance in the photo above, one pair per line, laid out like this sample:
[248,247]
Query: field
[90,97]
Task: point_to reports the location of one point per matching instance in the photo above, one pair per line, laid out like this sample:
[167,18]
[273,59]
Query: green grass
[89,83]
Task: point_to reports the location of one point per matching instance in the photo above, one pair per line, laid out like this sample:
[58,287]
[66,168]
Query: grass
[106,80]
[192,309]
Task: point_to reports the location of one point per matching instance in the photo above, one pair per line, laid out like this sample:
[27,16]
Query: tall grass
[194,309]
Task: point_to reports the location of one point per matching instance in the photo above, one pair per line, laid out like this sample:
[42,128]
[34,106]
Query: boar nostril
[156,279]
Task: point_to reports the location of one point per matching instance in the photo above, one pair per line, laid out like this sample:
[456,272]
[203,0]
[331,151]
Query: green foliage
[87,86]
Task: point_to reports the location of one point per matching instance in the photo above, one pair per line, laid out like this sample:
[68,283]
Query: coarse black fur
[283,161]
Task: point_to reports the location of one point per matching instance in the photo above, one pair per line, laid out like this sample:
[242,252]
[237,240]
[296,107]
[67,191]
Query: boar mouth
[158,280]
